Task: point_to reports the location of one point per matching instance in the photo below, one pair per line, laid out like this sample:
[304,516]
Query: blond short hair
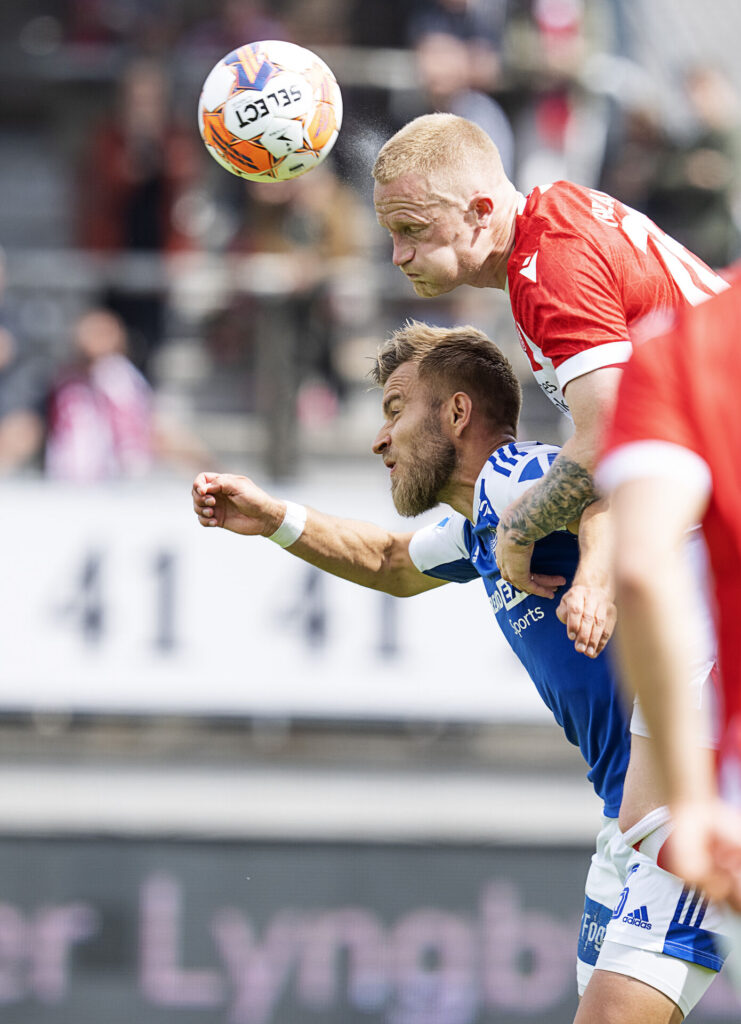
[434,143]
[455,359]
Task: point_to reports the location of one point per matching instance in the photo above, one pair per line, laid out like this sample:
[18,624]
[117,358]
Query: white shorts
[703,685]
[642,921]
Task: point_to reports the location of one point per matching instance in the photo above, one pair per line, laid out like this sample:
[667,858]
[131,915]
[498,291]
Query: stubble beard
[418,487]
[431,289]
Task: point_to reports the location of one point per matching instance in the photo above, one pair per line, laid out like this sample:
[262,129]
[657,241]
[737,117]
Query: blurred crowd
[85,381]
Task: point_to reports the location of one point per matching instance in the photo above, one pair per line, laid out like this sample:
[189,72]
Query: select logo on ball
[270,111]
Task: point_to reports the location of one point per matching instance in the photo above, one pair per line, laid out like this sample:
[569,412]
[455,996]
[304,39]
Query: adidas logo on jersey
[639,918]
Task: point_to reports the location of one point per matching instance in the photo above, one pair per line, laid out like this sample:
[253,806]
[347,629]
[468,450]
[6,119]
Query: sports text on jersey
[531,615]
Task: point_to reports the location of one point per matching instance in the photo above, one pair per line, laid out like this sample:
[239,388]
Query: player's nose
[402,253]
[381,442]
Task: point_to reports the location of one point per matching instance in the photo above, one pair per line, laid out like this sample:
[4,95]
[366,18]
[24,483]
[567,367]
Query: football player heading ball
[582,271]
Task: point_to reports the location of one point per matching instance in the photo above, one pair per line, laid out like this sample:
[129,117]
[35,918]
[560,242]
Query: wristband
[292,526]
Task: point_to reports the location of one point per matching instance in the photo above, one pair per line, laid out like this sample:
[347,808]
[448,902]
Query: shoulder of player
[450,530]
[445,545]
[550,202]
[558,230]
[509,467]
[564,210]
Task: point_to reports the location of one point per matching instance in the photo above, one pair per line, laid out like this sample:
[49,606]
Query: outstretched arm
[563,493]
[353,550]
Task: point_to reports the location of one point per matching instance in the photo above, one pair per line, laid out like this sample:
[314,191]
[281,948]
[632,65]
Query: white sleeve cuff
[652,458]
[612,353]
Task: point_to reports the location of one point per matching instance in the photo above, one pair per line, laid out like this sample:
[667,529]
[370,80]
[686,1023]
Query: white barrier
[114,599]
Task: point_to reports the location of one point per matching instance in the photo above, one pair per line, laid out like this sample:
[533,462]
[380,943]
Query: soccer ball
[270,111]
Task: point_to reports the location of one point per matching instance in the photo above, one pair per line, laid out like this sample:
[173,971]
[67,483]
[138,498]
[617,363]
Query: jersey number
[675,258]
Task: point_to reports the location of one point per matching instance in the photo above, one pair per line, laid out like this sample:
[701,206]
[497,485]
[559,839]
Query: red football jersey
[585,272]
[678,412]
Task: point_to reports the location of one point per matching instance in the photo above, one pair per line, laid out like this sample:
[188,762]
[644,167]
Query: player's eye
[405,230]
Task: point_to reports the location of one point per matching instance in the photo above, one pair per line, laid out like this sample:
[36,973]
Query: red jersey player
[672,461]
[582,271]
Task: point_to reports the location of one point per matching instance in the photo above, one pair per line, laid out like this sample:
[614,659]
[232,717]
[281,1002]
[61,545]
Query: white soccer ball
[270,111]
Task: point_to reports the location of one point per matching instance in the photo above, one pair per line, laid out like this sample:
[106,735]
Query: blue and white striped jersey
[582,693]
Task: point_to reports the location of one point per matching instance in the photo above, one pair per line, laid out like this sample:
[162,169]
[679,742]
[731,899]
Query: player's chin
[429,289]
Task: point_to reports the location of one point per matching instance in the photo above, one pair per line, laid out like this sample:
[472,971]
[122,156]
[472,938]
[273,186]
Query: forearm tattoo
[559,499]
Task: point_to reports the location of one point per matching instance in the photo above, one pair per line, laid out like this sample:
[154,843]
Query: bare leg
[642,791]
[618,999]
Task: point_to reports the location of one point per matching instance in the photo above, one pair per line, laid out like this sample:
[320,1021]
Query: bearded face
[423,470]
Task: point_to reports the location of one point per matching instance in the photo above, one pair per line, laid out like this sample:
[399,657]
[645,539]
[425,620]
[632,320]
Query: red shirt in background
[679,413]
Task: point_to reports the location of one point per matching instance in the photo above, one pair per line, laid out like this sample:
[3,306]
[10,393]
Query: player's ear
[481,208]
[460,408]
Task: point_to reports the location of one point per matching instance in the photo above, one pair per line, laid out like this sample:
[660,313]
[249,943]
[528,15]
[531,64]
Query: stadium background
[230,789]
